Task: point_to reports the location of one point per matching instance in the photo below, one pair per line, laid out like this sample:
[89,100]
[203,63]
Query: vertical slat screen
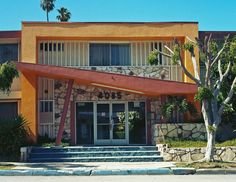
[76,54]
[66,53]
[45,89]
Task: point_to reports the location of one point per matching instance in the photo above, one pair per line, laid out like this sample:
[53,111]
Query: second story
[112,47]
[10,48]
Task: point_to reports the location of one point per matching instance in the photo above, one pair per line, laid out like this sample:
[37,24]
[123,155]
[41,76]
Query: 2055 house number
[109,95]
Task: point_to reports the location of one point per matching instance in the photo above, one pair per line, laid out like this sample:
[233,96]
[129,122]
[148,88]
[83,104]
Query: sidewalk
[99,168]
[106,168]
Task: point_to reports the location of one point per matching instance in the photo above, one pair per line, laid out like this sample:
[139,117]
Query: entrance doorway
[110,123]
[111,126]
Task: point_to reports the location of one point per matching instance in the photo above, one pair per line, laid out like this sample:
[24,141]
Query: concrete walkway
[104,168]
[93,165]
[98,168]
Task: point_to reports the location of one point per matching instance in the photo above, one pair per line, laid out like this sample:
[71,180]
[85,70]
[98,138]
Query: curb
[154,171]
[215,171]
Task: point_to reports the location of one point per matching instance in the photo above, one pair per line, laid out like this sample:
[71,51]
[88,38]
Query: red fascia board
[148,86]
[10,34]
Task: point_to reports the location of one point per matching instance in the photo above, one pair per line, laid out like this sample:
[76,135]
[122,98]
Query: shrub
[14,134]
[7,73]
[45,141]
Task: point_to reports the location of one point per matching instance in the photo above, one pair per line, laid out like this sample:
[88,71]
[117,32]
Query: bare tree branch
[194,62]
[228,98]
[190,40]
[169,49]
[208,57]
[165,54]
[220,52]
[196,80]
[220,69]
[195,67]
[222,77]
[181,63]
[208,44]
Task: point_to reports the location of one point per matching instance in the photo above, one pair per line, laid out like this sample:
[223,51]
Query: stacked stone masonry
[194,154]
[193,131]
[160,72]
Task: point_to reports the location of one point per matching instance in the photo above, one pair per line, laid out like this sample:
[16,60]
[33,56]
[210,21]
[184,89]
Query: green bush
[14,134]
[7,73]
[45,141]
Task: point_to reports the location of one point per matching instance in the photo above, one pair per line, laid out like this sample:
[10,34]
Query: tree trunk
[211,130]
[210,145]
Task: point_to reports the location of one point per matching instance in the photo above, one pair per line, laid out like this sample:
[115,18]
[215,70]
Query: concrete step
[97,148]
[93,154]
[101,159]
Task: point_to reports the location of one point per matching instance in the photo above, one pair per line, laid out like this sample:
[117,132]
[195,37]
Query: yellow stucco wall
[31,31]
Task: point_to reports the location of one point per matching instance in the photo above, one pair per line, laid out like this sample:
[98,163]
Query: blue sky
[211,14]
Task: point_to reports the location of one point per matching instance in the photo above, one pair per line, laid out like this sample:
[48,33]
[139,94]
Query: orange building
[91,83]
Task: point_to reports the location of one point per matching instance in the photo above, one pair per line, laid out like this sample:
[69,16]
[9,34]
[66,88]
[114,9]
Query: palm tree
[64,14]
[47,5]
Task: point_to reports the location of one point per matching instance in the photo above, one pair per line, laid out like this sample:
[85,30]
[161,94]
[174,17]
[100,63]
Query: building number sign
[109,95]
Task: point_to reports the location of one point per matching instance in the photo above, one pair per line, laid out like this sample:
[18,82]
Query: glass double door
[111,123]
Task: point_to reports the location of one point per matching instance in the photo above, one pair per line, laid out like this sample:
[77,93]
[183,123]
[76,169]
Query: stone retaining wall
[194,154]
[190,131]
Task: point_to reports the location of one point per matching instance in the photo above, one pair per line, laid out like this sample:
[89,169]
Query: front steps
[95,154]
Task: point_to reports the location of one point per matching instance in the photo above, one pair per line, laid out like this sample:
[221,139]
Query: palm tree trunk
[47,17]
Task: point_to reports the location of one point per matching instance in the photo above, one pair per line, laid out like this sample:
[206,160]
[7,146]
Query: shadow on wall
[226,132]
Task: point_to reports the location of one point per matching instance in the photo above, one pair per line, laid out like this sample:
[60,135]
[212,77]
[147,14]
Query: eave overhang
[134,84]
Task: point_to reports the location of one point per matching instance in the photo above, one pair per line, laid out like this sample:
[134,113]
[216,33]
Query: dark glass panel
[137,126]
[84,122]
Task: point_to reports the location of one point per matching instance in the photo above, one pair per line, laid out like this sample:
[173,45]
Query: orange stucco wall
[33,31]
[29,102]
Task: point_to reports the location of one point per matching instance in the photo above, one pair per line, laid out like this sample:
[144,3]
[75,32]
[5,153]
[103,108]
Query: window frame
[110,53]
[12,101]
[12,43]
[39,112]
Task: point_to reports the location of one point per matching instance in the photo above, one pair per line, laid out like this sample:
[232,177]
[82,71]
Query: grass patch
[194,143]
[207,165]
[227,143]
[184,143]
[6,166]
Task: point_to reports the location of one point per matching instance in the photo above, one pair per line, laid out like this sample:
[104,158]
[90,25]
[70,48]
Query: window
[158,46]
[46,106]
[137,124]
[8,52]
[8,110]
[84,122]
[51,47]
[46,112]
[109,54]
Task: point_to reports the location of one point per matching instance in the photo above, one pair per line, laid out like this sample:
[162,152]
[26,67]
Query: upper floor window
[102,54]
[52,47]
[8,52]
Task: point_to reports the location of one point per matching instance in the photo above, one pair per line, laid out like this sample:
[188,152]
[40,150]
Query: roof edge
[10,34]
[171,22]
